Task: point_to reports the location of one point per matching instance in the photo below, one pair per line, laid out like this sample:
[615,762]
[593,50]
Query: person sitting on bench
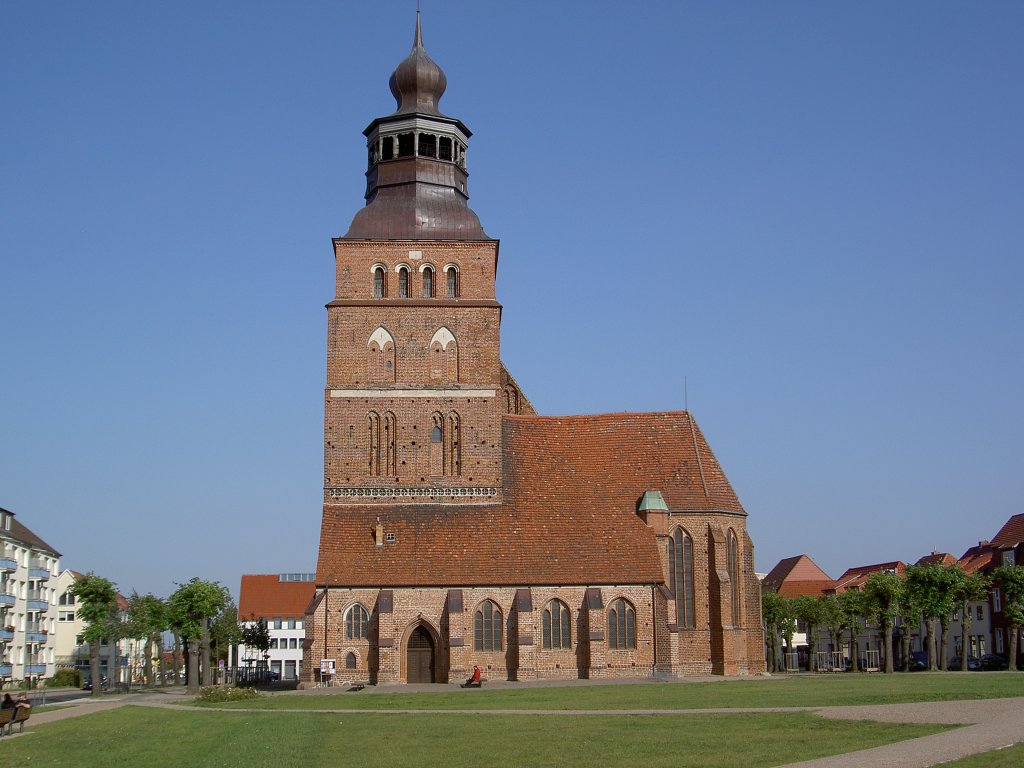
[22,702]
[474,680]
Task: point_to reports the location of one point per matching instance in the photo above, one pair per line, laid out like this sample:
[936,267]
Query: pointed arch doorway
[420,657]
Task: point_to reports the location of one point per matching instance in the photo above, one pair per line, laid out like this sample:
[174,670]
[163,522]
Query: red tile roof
[266,596]
[795,576]
[980,557]
[571,487]
[855,577]
[937,558]
[1012,532]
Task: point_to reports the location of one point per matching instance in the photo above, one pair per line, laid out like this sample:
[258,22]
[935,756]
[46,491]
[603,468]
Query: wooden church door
[420,657]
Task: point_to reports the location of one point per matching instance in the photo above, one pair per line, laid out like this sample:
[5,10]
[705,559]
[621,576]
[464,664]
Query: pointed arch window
[452,279]
[680,559]
[380,282]
[357,621]
[373,428]
[555,625]
[734,575]
[621,625]
[428,282]
[444,356]
[403,282]
[436,445]
[350,660]
[487,627]
[390,449]
[453,447]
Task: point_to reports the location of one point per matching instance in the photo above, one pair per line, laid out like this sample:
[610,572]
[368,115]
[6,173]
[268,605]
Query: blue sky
[810,212]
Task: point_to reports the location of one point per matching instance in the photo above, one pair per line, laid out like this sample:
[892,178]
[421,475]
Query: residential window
[997,601]
[293,643]
[621,625]
[981,613]
[356,621]
[556,625]
[273,643]
[487,626]
[291,623]
[998,635]
[66,599]
[1009,559]
[65,616]
[277,622]
[981,646]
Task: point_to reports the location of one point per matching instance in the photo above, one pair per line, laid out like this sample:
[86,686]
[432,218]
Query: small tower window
[379,283]
[403,283]
[387,148]
[428,282]
[452,276]
[428,145]
[406,143]
[444,148]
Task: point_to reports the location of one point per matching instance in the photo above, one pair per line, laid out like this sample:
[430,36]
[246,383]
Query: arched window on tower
[436,445]
[428,281]
[444,148]
[453,448]
[373,441]
[406,144]
[387,148]
[452,278]
[444,356]
[734,575]
[357,622]
[380,361]
[428,145]
[380,282]
[390,449]
[555,625]
[487,627]
[680,560]
[621,625]
[403,282]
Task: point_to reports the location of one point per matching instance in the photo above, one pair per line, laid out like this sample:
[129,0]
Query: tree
[191,607]
[851,603]
[970,589]
[882,597]
[773,613]
[809,612]
[225,631]
[97,599]
[931,590]
[147,615]
[1010,579]
[256,635]
[834,618]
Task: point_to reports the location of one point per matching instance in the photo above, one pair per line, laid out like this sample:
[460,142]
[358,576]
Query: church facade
[459,527]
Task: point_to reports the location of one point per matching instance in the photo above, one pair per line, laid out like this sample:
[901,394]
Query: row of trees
[200,617]
[929,594]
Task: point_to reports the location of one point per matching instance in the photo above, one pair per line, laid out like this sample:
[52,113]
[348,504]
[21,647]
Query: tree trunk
[944,653]
[905,647]
[1012,658]
[810,650]
[147,656]
[853,649]
[932,661]
[176,659]
[965,629]
[94,668]
[888,649]
[160,660]
[205,653]
[193,665]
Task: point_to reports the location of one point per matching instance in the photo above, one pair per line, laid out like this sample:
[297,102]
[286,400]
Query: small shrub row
[65,678]
[219,693]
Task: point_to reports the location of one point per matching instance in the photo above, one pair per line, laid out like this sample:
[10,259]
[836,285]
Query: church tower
[415,385]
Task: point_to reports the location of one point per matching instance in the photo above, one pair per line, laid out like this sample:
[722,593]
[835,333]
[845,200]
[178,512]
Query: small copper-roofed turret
[417,82]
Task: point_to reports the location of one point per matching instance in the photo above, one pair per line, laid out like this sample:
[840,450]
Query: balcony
[8,565]
[38,572]
[35,669]
[6,635]
[37,601]
[7,599]
[34,633]
[6,670]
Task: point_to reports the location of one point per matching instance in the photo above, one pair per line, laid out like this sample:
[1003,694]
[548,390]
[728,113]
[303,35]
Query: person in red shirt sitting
[474,680]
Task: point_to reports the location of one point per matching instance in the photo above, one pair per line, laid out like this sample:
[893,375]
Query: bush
[65,678]
[219,693]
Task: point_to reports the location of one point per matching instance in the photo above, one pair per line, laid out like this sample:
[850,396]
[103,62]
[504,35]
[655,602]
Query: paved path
[990,723]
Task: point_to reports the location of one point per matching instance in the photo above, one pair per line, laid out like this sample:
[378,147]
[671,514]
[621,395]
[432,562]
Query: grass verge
[133,736]
[839,690]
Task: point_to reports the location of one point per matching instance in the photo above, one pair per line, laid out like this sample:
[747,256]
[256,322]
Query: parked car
[994,662]
[973,664]
[104,684]
[918,661]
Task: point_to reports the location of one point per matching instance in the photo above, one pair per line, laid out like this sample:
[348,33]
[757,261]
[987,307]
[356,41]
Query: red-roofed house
[796,576]
[281,601]
[459,527]
[1008,549]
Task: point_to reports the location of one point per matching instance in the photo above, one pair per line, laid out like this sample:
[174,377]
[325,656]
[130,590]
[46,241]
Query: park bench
[14,716]
[357,685]
[478,684]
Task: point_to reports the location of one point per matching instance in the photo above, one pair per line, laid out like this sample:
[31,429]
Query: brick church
[459,527]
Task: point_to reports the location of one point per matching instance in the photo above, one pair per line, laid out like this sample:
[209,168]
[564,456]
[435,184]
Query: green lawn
[141,736]
[1009,757]
[804,691]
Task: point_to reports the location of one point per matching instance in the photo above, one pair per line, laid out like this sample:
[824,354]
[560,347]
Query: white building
[28,602]
[280,600]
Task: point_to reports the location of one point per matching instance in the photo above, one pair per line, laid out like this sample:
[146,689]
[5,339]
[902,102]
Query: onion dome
[418,83]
